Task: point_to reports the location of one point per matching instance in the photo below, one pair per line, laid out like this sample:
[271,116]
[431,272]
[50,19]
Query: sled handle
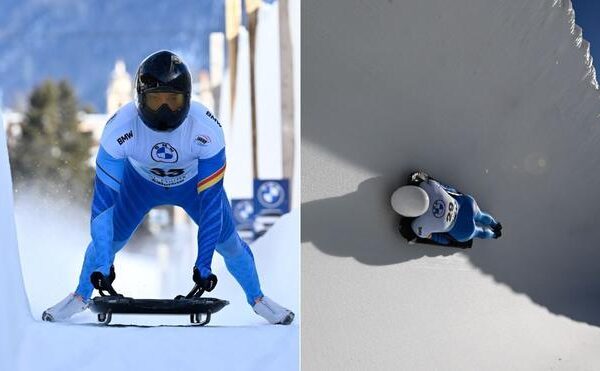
[103,283]
[196,292]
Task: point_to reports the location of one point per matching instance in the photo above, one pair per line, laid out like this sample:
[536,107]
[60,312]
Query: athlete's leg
[135,198]
[240,263]
[485,219]
[482,218]
[484,233]
[236,253]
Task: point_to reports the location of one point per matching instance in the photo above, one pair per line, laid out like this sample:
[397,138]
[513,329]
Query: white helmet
[410,201]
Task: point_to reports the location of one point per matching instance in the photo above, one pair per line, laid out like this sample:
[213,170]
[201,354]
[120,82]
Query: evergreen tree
[51,152]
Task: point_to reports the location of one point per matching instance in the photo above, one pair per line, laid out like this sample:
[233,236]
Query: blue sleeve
[109,172]
[440,238]
[210,202]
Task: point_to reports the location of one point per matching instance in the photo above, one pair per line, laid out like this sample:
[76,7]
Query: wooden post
[233,18]
[287,92]
[217,54]
[252,7]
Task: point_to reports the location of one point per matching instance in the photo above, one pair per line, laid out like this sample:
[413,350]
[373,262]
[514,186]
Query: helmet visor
[155,100]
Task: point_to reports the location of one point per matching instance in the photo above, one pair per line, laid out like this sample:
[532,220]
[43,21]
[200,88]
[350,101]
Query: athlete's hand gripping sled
[110,302]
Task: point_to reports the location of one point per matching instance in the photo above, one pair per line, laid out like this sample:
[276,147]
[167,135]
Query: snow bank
[14,308]
[277,255]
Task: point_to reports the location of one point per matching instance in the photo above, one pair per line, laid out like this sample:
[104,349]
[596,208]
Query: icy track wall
[14,307]
[495,97]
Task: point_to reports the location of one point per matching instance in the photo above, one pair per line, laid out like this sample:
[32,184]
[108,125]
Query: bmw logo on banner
[271,200]
[243,215]
[243,211]
[271,196]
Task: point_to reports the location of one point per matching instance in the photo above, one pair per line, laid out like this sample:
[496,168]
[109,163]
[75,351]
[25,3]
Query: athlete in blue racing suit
[441,214]
[165,150]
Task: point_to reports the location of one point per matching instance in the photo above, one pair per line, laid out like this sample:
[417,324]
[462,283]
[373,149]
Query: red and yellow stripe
[211,180]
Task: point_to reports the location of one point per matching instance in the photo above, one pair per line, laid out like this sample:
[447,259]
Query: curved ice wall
[14,307]
[498,98]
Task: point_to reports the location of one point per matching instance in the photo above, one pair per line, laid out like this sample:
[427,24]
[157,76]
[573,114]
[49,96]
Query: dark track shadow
[544,253]
[362,225]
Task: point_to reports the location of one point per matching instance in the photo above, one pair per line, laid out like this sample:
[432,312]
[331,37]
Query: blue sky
[587,16]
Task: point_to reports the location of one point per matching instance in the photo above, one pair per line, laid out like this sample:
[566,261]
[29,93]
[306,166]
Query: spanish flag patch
[211,180]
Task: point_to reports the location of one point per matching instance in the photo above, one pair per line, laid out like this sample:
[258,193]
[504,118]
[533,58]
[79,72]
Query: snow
[494,97]
[14,309]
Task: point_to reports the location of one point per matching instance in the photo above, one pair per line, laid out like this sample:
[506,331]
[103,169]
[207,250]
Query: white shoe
[273,312]
[67,307]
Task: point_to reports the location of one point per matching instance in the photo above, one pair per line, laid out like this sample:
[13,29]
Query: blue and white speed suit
[138,168]
[451,213]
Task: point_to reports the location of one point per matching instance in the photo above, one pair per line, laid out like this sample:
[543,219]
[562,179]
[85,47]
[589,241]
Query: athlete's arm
[210,196]
[109,172]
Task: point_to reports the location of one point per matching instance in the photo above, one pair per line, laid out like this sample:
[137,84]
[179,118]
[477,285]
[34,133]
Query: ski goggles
[154,100]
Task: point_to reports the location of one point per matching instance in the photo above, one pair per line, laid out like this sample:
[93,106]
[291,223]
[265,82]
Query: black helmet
[163,72]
